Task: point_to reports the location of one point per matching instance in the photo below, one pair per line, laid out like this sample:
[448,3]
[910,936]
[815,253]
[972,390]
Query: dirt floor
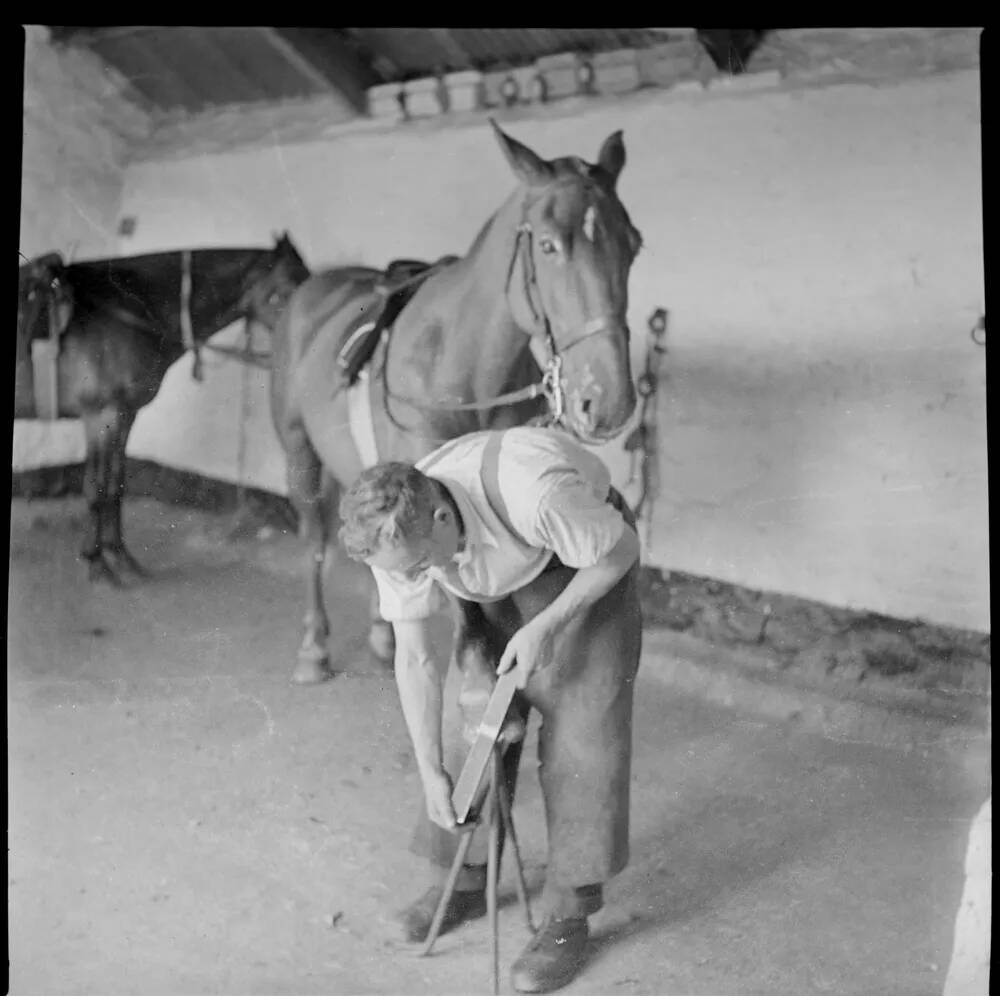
[184,821]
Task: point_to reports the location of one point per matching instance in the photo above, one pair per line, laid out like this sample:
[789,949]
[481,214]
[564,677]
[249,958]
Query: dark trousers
[584,742]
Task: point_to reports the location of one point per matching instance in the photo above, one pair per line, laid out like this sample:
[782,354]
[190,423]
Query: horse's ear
[528,165]
[611,158]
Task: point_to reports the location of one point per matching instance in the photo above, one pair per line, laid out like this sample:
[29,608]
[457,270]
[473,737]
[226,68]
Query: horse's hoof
[130,568]
[384,664]
[382,642]
[99,571]
[311,671]
[129,571]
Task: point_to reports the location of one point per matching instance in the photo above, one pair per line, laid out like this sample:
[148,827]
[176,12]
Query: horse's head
[42,291]
[271,282]
[568,281]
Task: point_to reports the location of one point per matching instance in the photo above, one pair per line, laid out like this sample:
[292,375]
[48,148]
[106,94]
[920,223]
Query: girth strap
[360,418]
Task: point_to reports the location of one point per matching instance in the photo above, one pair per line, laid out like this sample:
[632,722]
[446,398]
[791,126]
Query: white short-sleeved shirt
[555,492]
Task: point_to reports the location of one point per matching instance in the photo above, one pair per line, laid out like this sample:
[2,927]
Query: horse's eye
[547,245]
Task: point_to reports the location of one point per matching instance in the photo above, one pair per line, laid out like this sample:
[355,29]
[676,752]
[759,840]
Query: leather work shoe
[552,958]
[416,919]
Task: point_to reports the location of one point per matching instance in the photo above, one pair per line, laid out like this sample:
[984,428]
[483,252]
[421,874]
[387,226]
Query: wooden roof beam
[455,54]
[333,59]
[294,58]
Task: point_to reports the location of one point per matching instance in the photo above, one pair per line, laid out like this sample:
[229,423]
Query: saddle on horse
[44,309]
[400,281]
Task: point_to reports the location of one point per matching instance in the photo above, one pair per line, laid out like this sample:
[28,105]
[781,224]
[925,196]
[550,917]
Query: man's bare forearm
[420,694]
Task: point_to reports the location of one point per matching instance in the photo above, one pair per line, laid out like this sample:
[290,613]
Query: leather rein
[245,354]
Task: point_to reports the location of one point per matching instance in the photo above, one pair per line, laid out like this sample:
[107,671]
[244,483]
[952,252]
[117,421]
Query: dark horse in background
[120,324]
[532,317]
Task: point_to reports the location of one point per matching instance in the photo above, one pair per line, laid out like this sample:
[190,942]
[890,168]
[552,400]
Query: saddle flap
[404,269]
[361,339]
[399,282]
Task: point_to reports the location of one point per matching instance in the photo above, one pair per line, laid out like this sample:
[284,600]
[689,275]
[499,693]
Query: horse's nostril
[587,413]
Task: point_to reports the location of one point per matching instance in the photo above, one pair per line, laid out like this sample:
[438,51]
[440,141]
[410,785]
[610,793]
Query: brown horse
[120,324]
[547,276]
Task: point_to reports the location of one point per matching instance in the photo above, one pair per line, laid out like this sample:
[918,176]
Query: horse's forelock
[610,200]
[593,189]
[571,167]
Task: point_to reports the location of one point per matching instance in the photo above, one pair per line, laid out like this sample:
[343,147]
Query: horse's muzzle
[600,394]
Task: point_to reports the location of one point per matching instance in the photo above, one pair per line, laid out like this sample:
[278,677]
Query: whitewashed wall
[78,127]
[822,413]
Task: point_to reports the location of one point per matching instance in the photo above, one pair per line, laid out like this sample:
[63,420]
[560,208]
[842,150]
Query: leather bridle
[552,384]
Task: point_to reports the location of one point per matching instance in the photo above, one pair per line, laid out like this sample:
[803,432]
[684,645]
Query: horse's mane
[51,260]
[143,261]
[484,231]
[127,276]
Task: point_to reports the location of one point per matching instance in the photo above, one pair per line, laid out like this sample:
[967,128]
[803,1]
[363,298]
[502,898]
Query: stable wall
[821,414]
[78,129]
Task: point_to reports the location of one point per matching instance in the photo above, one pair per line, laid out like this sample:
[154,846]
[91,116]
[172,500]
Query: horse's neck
[208,316]
[482,348]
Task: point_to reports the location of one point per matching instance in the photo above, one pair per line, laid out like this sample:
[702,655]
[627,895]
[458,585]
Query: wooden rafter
[160,73]
[294,58]
[209,40]
[338,62]
[455,54]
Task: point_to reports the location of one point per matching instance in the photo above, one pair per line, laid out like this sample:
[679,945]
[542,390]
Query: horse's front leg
[310,494]
[381,638]
[115,552]
[95,490]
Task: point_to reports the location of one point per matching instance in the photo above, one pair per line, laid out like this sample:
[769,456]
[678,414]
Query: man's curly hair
[389,502]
